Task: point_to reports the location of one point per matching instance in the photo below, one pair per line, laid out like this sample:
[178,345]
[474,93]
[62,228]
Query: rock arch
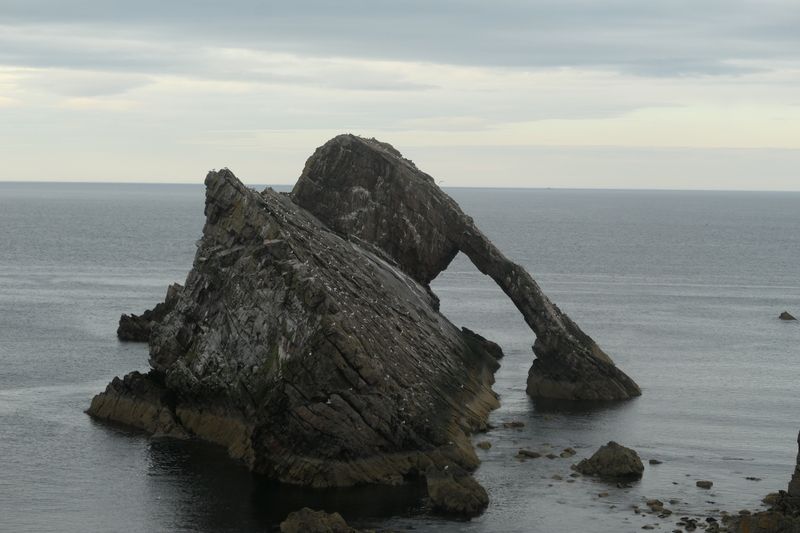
[365,189]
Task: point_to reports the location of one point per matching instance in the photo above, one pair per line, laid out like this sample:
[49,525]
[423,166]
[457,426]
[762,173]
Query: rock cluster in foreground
[307,341]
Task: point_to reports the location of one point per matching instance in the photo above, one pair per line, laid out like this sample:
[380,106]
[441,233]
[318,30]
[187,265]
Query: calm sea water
[682,288]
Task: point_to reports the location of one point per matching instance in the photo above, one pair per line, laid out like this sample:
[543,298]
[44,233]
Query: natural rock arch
[365,189]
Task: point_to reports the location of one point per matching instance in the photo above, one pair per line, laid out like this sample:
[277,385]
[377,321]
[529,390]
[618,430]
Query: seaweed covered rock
[313,357]
[365,189]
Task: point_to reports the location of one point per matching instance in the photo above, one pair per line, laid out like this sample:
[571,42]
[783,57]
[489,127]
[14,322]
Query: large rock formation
[314,358]
[366,189]
[307,341]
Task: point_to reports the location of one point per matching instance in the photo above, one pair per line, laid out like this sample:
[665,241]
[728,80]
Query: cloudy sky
[539,93]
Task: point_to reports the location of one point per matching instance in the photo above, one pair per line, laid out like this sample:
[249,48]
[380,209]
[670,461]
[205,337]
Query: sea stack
[307,341]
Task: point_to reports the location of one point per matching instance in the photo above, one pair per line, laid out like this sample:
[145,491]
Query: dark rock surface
[136,328]
[312,357]
[453,491]
[794,483]
[612,461]
[365,189]
[786,316]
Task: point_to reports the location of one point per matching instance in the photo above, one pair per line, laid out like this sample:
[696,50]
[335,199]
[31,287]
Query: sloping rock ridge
[365,188]
[312,356]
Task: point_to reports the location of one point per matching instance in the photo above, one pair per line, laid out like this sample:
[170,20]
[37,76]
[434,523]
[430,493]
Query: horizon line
[441,185]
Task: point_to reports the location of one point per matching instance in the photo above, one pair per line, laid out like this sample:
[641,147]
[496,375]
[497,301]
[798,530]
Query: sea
[682,288]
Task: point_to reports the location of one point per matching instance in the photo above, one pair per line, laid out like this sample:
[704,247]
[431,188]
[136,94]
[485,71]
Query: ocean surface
[683,289]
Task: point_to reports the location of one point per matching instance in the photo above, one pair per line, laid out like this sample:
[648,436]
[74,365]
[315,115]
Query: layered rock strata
[136,328]
[365,189]
[313,357]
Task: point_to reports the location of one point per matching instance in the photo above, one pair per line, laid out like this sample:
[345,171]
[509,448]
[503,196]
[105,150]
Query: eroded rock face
[312,357]
[136,328]
[612,461]
[365,189]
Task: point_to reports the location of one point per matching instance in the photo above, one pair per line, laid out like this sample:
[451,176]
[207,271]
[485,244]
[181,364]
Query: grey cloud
[675,37]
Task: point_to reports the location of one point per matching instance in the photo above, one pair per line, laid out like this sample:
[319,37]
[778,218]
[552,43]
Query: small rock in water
[602,495]
[772,498]
[514,424]
[786,316]
[704,484]
[551,456]
[753,478]
[612,461]
[484,445]
[568,452]
[655,505]
[528,454]
[654,462]
[309,521]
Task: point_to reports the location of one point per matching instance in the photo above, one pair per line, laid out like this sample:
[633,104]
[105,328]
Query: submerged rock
[366,189]
[309,521]
[136,328]
[786,316]
[612,461]
[312,357]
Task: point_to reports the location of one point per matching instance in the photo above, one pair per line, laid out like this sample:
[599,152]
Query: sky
[678,94]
